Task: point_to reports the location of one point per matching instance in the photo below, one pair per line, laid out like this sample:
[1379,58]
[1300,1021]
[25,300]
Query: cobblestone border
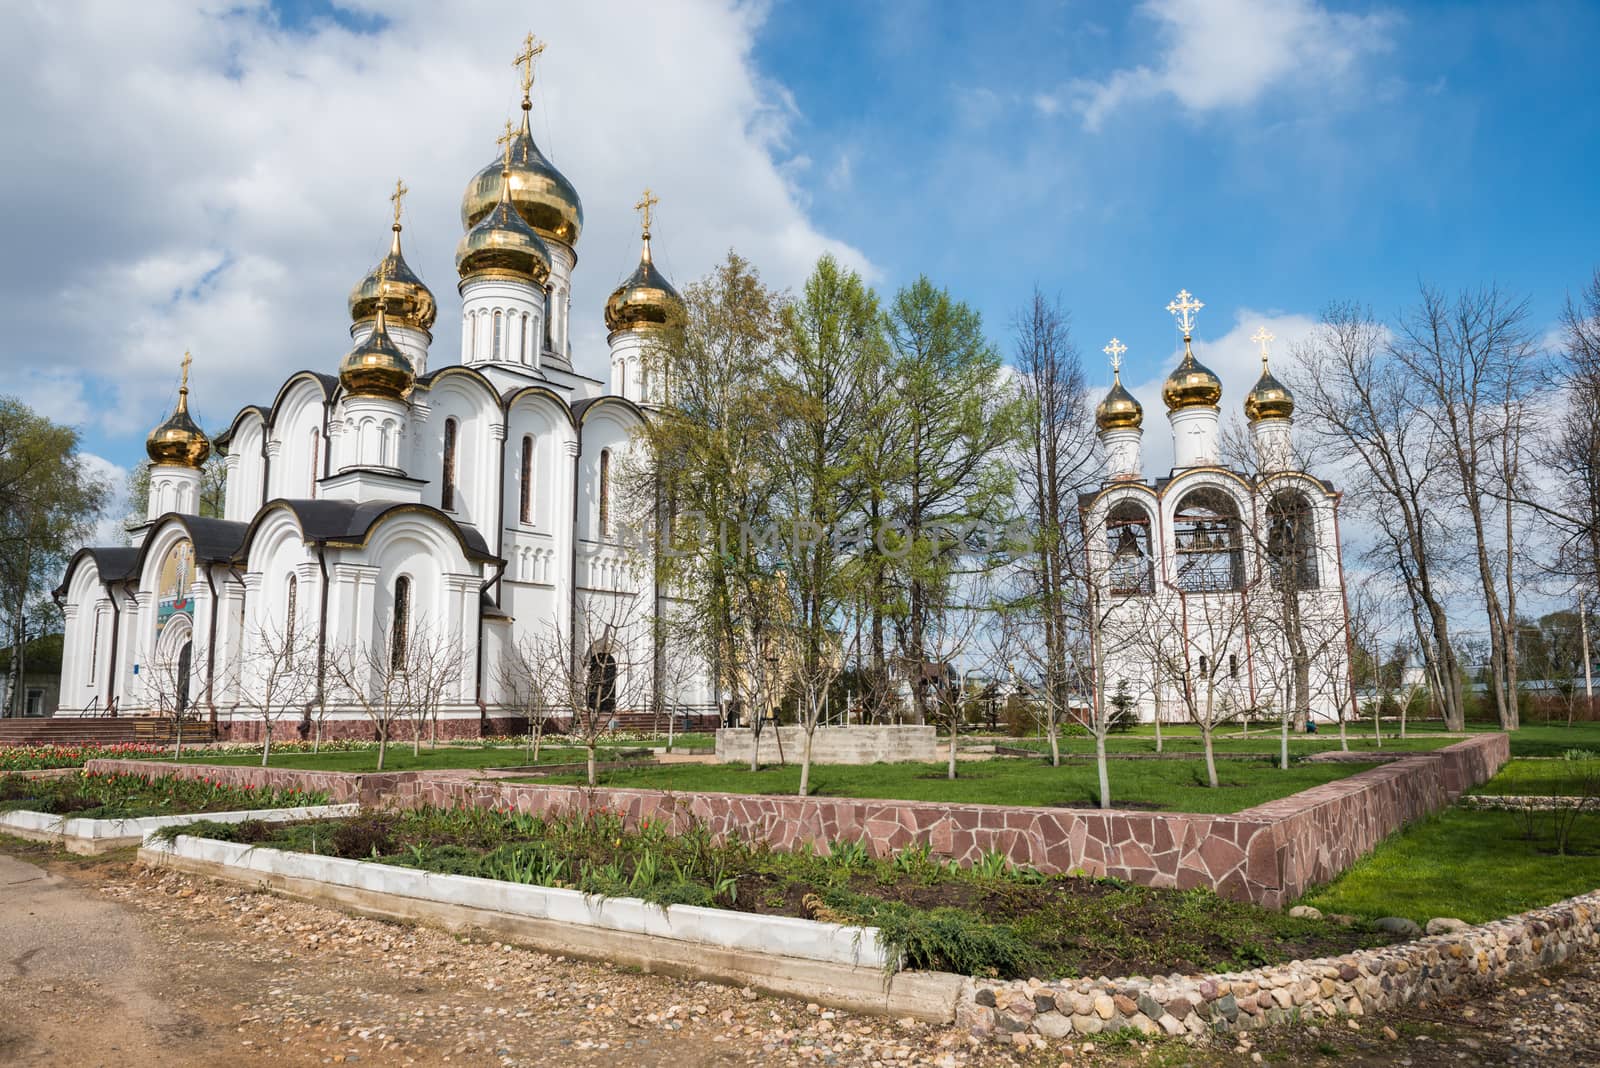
[1526,802]
[1354,984]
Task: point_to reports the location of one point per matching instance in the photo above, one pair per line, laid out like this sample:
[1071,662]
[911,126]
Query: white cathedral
[474,498]
[1218,579]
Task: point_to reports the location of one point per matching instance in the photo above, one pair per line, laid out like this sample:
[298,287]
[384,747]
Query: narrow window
[499,328]
[526,501]
[289,622]
[527,341]
[402,620]
[94,646]
[1204,664]
[316,454]
[447,490]
[605,492]
[1233,665]
[547,317]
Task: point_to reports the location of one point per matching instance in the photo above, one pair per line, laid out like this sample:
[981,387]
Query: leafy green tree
[955,417]
[49,498]
[834,352]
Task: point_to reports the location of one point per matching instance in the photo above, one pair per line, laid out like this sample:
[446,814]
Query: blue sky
[1460,147]
[213,177]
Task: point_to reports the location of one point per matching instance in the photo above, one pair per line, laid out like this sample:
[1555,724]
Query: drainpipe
[116,633]
[322,628]
[483,707]
[572,606]
[211,651]
[500,521]
[266,462]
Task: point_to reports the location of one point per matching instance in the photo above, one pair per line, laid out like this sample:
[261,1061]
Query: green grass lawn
[1187,740]
[1545,778]
[1474,866]
[1172,785]
[399,758]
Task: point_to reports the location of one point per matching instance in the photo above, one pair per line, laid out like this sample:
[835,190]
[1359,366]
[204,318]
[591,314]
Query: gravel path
[107,963]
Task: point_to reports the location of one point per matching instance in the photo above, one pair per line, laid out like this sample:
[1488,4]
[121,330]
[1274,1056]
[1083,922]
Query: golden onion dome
[178,442]
[376,367]
[502,243]
[1120,410]
[1270,399]
[646,300]
[1191,384]
[542,195]
[393,284]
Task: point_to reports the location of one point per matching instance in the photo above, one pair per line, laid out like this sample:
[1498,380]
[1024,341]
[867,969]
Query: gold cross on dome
[531,47]
[397,196]
[504,141]
[1264,339]
[187,360]
[1183,307]
[646,202]
[1115,351]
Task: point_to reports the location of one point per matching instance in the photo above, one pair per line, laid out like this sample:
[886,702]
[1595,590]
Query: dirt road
[106,963]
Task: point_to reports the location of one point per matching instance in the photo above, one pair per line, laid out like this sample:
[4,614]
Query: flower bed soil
[991,920]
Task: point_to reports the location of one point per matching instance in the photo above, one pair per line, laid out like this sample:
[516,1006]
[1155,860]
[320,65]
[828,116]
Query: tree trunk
[953,735]
[383,745]
[593,776]
[266,745]
[1283,743]
[1344,740]
[805,765]
[1211,756]
[1588,679]
[1102,765]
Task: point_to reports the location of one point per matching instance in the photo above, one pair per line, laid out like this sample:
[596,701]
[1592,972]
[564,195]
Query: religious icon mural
[177,575]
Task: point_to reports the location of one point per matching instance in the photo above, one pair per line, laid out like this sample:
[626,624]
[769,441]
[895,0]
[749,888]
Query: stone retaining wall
[339,786]
[243,729]
[1354,984]
[832,745]
[1269,855]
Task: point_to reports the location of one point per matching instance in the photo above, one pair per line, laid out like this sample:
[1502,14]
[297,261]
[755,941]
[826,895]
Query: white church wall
[475,410]
[297,429]
[243,497]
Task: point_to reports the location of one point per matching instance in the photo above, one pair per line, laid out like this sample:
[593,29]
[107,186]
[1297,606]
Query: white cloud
[1219,54]
[1236,360]
[208,180]
[109,528]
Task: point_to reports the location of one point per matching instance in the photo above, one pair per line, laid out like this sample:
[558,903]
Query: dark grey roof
[332,521]
[114,562]
[214,539]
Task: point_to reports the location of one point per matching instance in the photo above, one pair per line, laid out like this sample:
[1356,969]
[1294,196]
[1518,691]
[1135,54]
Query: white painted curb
[98,835]
[780,936]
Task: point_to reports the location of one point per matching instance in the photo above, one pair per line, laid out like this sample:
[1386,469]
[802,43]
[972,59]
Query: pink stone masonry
[1269,854]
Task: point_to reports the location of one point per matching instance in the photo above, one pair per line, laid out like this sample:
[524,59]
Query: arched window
[602,682]
[605,492]
[316,458]
[1292,541]
[644,384]
[527,341]
[1128,541]
[291,599]
[525,499]
[1210,551]
[1205,665]
[547,317]
[399,626]
[447,487]
[1233,665]
[499,329]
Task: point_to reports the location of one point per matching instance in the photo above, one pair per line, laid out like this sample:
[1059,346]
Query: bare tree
[815,672]
[169,682]
[1056,461]
[371,676]
[277,674]
[1471,356]
[432,668]
[1362,409]
[595,667]
[521,678]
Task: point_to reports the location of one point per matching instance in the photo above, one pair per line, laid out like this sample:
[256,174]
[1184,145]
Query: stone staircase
[96,730]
